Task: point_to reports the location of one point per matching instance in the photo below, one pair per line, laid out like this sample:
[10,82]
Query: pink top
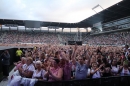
[18,65]
[67,71]
[54,72]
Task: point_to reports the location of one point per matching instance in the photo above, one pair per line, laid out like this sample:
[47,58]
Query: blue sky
[51,10]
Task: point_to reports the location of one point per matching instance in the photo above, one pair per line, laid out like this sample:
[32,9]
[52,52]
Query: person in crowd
[81,68]
[125,69]
[95,70]
[5,56]
[66,65]
[114,67]
[18,54]
[54,73]
[126,48]
[127,53]
[42,57]
[99,55]
[25,71]
[20,64]
[106,68]
[38,74]
[110,57]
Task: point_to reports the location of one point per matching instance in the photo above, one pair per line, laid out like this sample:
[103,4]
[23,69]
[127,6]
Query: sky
[69,11]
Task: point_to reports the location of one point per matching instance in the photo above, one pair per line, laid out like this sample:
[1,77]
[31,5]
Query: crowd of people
[13,37]
[116,38]
[68,37]
[56,63]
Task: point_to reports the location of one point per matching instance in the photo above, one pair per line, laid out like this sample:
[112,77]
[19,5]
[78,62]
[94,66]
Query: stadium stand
[14,37]
[103,61]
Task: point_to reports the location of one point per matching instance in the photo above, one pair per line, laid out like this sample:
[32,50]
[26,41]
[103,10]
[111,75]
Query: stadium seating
[14,37]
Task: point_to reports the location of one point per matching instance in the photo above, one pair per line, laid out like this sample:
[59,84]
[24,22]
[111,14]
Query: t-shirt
[19,53]
[19,65]
[28,68]
[96,75]
[115,69]
[81,71]
[125,72]
[39,74]
[67,71]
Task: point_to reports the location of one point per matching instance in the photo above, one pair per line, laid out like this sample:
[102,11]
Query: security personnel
[18,54]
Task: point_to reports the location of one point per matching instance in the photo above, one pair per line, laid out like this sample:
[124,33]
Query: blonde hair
[31,60]
[39,62]
[23,58]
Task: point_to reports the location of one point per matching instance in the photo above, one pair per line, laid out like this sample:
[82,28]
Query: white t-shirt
[114,69]
[28,67]
[125,72]
[96,75]
[39,74]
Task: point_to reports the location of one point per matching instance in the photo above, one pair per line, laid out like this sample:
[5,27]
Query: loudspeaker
[74,42]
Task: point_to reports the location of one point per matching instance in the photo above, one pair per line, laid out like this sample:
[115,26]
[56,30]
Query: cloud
[51,10]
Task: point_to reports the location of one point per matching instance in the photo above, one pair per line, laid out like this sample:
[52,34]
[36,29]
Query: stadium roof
[119,10]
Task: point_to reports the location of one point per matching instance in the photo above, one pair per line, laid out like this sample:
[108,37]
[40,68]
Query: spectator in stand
[13,37]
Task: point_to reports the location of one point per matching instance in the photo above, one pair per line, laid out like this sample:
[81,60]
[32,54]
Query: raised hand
[75,47]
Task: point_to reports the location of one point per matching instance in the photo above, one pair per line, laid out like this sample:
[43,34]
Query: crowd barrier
[107,81]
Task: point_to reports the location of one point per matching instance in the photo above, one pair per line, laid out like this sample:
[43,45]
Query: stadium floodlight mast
[96,7]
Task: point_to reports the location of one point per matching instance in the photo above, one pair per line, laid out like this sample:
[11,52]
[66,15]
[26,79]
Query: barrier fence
[107,81]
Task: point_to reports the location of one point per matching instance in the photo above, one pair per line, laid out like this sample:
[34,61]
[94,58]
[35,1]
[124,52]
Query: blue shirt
[81,71]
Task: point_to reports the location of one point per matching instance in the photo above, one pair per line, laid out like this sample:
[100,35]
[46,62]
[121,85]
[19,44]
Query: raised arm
[96,70]
[87,56]
[74,54]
